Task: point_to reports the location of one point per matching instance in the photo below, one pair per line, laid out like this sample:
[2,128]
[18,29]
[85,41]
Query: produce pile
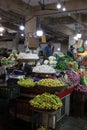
[73,77]
[26,82]
[73,65]
[5,61]
[66,63]
[10,59]
[66,58]
[84,80]
[43,69]
[58,54]
[84,61]
[46,101]
[62,66]
[43,128]
[51,60]
[14,52]
[81,88]
[23,55]
[50,83]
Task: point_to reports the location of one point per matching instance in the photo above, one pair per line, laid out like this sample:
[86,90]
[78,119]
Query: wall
[10,45]
[64,47]
[6,44]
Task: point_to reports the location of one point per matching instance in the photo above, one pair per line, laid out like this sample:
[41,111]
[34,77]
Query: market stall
[57,76]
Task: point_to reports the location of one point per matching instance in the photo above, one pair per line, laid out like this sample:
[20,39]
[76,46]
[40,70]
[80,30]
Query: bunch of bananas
[46,101]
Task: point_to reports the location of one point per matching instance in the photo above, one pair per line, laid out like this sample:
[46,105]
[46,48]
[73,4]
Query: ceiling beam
[55,26]
[54,33]
[9,17]
[17,6]
[72,6]
[62,20]
[9,25]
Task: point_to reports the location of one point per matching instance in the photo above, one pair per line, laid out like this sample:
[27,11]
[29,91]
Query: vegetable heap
[46,101]
[73,77]
[81,88]
[26,82]
[50,83]
[62,66]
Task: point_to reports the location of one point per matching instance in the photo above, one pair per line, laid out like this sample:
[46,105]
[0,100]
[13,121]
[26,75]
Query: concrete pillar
[30,29]
[71,40]
[15,42]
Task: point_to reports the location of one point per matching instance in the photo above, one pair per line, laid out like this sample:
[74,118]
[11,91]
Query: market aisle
[72,123]
[67,123]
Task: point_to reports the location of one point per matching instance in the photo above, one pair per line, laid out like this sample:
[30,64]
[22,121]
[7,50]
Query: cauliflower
[38,63]
[51,62]
[54,62]
[46,62]
[52,58]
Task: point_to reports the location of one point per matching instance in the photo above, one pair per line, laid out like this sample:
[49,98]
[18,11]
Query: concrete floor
[67,123]
[72,123]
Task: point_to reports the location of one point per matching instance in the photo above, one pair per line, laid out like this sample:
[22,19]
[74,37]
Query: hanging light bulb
[1,34]
[79,35]
[75,38]
[22,34]
[39,32]
[1,28]
[64,9]
[21,27]
[86,42]
[58,6]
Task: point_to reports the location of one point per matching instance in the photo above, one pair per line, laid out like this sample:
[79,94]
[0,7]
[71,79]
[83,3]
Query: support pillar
[30,29]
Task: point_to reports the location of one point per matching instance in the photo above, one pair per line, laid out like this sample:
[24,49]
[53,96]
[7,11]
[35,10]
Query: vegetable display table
[50,118]
[46,117]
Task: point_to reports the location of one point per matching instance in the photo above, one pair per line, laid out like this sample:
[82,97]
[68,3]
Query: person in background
[70,51]
[38,49]
[47,51]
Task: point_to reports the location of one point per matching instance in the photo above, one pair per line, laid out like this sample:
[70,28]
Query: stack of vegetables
[81,88]
[66,58]
[43,69]
[66,63]
[5,61]
[26,82]
[51,60]
[50,83]
[58,54]
[72,78]
[84,80]
[43,128]
[62,64]
[46,101]
[10,59]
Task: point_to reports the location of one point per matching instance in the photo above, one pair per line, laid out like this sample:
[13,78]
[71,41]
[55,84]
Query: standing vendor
[70,51]
[47,51]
